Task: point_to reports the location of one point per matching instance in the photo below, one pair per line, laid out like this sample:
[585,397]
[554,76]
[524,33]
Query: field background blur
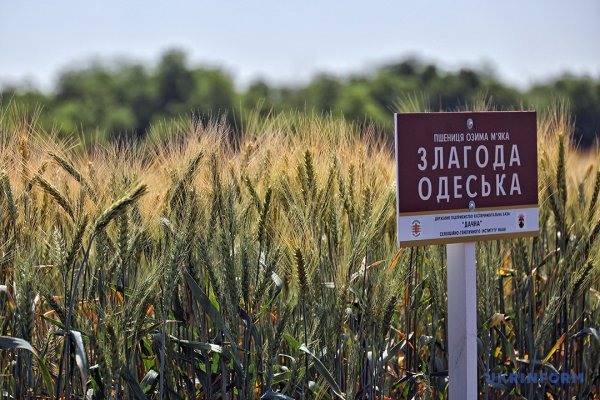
[105,101]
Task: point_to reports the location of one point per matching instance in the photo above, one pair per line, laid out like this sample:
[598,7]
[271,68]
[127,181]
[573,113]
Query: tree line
[125,100]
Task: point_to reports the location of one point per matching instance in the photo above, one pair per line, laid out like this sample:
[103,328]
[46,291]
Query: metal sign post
[462,326]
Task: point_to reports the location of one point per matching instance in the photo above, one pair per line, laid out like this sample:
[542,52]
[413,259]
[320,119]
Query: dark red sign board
[466,161]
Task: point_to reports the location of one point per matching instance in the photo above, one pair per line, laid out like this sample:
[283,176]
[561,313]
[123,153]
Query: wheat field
[203,264]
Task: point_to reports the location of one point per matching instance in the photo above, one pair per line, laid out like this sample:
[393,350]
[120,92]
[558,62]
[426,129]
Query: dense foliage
[125,99]
[194,266]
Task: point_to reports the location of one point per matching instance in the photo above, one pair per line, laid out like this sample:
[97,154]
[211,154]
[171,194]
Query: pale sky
[289,41]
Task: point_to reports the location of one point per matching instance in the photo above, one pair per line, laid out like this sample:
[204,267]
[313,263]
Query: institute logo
[521,220]
[415,228]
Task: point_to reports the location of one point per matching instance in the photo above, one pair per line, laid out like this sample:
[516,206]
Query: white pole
[462,322]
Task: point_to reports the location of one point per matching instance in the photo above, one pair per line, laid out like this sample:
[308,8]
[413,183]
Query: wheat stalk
[62,200]
[119,207]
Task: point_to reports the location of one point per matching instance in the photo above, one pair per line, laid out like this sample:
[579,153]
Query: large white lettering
[453,159]
[457,187]
[438,157]
[443,193]
[484,150]
[499,157]
[423,153]
[466,150]
[499,183]
[515,186]
[470,179]
[514,156]
[486,188]
[422,195]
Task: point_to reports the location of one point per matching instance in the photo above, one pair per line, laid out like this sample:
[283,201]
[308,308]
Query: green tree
[124,100]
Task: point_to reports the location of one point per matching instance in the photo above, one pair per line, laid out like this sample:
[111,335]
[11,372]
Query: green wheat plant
[203,264]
